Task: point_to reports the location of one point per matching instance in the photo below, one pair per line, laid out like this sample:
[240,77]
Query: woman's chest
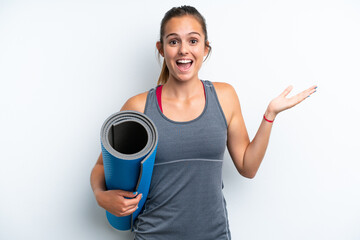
[189,141]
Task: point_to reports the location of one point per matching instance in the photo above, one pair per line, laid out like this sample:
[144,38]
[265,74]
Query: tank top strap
[214,106]
[151,104]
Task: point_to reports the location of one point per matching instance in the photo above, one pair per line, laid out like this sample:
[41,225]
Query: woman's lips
[184,64]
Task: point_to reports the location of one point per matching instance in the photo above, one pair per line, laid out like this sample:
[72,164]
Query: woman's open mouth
[184,64]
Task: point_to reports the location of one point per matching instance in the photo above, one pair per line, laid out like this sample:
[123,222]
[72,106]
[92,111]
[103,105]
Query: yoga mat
[128,142]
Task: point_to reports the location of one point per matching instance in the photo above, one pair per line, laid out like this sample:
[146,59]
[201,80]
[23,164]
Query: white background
[65,66]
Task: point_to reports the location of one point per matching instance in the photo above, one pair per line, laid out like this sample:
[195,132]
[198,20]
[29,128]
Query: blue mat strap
[144,182]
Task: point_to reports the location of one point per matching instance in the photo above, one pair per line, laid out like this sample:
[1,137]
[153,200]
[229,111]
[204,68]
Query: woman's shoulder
[228,99]
[136,103]
[224,90]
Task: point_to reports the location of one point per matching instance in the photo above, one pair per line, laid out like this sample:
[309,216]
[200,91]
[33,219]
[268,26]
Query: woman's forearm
[97,178]
[256,149]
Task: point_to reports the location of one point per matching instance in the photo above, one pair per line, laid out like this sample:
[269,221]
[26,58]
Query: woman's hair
[179,12]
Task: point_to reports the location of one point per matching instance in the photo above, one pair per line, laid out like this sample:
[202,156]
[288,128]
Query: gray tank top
[185,199]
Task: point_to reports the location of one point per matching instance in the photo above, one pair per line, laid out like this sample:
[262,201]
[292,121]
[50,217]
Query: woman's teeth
[184,61]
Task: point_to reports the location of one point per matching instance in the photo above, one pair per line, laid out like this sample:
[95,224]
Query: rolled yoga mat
[128,141]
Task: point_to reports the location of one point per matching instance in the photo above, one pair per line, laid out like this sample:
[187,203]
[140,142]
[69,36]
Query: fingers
[130,211]
[133,201]
[303,95]
[126,193]
[312,90]
[286,91]
[131,204]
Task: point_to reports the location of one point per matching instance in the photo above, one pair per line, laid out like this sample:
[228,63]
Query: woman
[196,120]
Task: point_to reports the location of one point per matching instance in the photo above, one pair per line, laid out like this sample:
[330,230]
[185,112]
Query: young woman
[196,120]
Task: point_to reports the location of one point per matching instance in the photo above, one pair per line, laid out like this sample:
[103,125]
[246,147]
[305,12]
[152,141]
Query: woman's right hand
[118,202]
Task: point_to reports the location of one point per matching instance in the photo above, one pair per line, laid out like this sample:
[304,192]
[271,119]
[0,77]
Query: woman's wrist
[269,115]
[97,193]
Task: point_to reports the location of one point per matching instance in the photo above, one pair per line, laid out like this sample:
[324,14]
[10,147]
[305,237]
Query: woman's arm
[246,155]
[116,202]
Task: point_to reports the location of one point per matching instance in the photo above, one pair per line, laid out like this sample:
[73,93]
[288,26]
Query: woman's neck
[182,89]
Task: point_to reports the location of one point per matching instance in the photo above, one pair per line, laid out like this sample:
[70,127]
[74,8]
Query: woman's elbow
[248,174]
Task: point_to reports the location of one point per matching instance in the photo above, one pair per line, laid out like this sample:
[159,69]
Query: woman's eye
[193,41]
[173,42]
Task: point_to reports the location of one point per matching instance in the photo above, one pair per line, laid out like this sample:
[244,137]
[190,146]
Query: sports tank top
[185,199]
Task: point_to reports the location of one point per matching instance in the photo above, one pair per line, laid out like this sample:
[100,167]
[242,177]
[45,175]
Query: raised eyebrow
[171,34]
[174,34]
[195,33]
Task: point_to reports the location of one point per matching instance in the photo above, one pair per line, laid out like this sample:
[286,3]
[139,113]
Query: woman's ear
[207,48]
[160,48]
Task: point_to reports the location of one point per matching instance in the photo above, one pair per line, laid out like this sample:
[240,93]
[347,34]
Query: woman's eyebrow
[175,34]
[195,33]
[171,34]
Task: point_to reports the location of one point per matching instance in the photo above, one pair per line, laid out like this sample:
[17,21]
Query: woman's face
[183,47]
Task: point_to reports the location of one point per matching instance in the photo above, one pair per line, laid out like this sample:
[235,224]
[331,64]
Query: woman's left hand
[282,103]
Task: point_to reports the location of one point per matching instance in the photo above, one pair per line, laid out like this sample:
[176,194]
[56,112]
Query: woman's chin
[184,77]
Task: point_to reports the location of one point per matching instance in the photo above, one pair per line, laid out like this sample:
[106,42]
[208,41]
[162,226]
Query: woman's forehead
[183,25]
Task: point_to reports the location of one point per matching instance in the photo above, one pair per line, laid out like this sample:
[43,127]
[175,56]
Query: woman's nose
[183,50]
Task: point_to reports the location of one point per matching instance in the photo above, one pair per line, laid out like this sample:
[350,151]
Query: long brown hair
[179,12]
